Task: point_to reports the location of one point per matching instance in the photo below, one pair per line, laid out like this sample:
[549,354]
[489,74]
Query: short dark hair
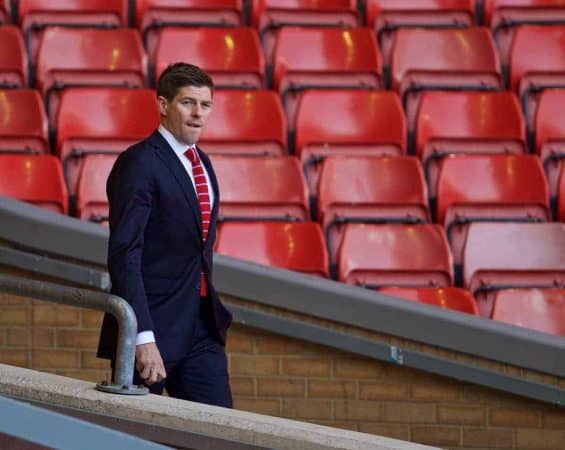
[179,75]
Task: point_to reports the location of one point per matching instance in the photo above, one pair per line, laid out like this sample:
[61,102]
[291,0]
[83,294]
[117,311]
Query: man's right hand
[149,363]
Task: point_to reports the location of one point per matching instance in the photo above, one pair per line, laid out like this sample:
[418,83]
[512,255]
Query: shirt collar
[178,147]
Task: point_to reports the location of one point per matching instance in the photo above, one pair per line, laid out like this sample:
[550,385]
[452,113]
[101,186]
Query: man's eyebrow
[187,97]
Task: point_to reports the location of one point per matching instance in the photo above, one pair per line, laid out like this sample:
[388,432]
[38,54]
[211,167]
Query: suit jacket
[155,252]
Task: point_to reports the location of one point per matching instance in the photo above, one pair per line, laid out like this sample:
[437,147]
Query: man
[164,199]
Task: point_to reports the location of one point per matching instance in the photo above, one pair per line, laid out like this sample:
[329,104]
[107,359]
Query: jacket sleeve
[130,194]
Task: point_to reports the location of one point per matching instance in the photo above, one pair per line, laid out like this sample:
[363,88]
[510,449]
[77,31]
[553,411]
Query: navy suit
[156,254]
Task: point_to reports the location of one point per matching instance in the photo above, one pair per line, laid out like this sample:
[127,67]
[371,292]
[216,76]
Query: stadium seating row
[365,190]
[337,122]
[374,9]
[420,59]
[413,257]
[384,16]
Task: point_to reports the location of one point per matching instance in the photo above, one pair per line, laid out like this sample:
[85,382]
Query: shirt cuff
[145,337]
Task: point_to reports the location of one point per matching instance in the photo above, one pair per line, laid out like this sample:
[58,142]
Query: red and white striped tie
[203,199]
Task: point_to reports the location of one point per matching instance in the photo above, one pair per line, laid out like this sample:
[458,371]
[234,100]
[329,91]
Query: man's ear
[163,105]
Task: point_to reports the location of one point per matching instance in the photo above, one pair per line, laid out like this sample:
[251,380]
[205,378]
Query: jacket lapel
[167,155]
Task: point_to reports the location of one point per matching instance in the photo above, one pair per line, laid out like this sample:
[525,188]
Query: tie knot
[191,154]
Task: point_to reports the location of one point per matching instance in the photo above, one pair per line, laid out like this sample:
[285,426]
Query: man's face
[186,115]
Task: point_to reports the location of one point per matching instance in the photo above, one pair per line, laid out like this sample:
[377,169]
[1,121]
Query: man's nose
[197,110]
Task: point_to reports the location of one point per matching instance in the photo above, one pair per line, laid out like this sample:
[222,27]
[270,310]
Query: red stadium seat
[314,58]
[512,255]
[261,188]
[452,298]
[505,16]
[71,57]
[151,15]
[375,256]
[36,179]
[232,56]
[101,120]
[271,15]
[494,188]
[13,58]
[467,122]
[292,246]
[539,309]
[432,60]
[23,123]
[387,16]
[36,15]
[246,123]
[532,70]
[561,196]
[343,122]
[550,134]
[369,189]
[92,203]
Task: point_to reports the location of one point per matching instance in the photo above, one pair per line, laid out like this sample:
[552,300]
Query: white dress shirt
[180,149]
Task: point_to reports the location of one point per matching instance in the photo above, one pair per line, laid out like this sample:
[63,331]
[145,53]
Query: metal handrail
[100,301]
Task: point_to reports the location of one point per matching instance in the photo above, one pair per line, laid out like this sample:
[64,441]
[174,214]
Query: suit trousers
[201,375]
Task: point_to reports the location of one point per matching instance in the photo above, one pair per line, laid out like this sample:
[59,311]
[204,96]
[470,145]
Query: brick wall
[290,378]
[285,377]
[51,338]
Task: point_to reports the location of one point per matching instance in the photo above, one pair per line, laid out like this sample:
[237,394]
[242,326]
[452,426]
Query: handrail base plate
[123,389]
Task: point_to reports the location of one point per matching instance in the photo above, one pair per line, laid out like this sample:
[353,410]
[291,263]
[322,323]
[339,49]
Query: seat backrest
[504,180]
[261,188]
[246,122]
[505,17]
[105,124]
[369,189]
[322,58]
[387,16]
[13,58]
[150,13]
[232,56]
[514,254]
[36,179]
[539,309]
[153,15]
[292,246]
[92,119]
[332,119]
[299,7]
[480,121]
[316,51]
[271,15]
[90,56]
[493,8]
[23,127]
[41,9]
[549,124]
[378,187]
[434,56]
[415,13]
[527,61]
[456,299]
[395,255]
[91,192]
[36,15]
